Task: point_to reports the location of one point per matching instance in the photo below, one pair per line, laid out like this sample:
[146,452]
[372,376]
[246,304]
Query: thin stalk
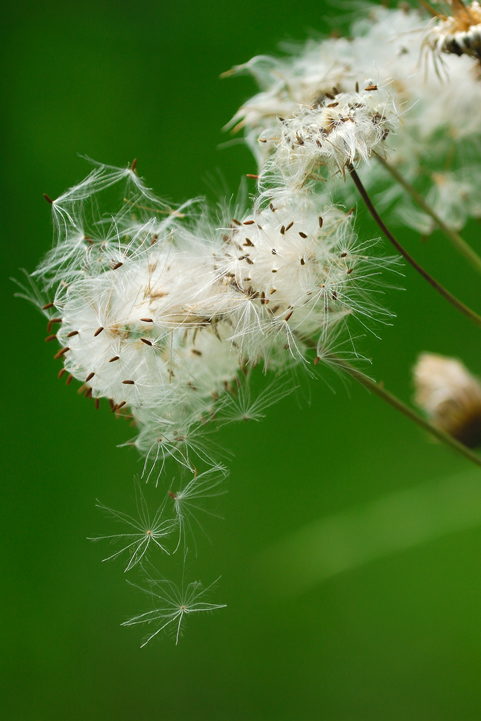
[456,239]
[458,304]
[398,404]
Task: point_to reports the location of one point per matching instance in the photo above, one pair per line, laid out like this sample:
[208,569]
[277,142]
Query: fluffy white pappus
[339,131]
[389,45]
[163,310]
[298,262]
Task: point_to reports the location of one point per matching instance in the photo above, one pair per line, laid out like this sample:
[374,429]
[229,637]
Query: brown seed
[88,393]
[98,331]
[316,360]
[237,222]
[116,357]
[146,320]
[196,352]
[343,255]
[51,322]
[283,229]
[350,271]
[288,227]
[97,403]
[288,316]
[147,342]
[154,239]
[47,198]
[69,379]
[89,377]
[303,262]
[117,265]
[128,383]
[303,235]
[251,175]
[249,242]
[49,338]
[61,372]
[249,222]
[70,335]
[47,306]
[371,87]
[61,352]
[321,222]
[121,405]
[81,389]
[134,165]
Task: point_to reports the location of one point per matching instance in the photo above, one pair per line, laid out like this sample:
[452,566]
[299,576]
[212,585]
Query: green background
[369,619]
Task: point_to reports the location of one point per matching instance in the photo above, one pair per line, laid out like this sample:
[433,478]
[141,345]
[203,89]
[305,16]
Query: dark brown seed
[61,352]
[146,320]
[51,322]
[128,383]
[303,235]
[61,372]
[134,165]
[350,271]
[121,405]
[49,338]
[371,87]
[288,315]
[343,255]
[98,331]
[357,87]
[237,222]
[303,262]
[97,403]
[88,393]
[196,352]
[147,342]
[89,377]
[47,198]
[249,222]
[288,227]
[283,229]
[47,306]
[116,357]
[69,380]
[321,222]
[70,335]
[154,239]
[249,242]
[117,265]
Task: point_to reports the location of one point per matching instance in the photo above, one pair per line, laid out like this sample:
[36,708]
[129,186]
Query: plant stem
[456,239]
[458,304]
[398,404]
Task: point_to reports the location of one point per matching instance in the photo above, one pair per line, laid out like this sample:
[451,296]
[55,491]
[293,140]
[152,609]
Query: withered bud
[450,396]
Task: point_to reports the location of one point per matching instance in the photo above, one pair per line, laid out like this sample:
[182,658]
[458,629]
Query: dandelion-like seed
[189,499]
[147,531]
[172,606]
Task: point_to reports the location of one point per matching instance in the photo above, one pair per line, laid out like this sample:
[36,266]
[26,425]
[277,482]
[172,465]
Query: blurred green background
[350,549]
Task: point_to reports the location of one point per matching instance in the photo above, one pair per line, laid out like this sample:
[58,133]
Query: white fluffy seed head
[341,130]
[161,310]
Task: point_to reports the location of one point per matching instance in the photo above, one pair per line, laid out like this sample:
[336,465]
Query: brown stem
[398,404]
[459,305]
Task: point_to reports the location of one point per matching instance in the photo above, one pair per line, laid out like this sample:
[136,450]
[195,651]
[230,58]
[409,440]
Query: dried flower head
[458,32]
[450,396]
